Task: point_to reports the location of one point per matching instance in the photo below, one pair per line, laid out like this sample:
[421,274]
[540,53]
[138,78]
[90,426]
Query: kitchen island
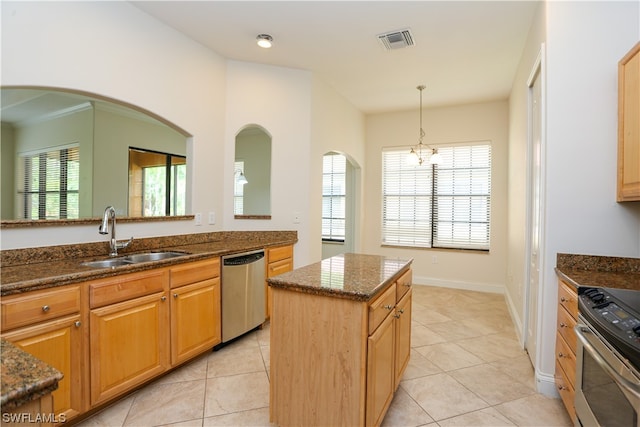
[340,340]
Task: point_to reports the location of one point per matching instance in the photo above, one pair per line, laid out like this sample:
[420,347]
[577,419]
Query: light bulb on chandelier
[415,156]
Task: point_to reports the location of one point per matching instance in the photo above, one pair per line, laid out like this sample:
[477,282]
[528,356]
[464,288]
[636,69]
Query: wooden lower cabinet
[565,367]
[129,344]
[195,324]
[279,260]
[48,324]
[59,344]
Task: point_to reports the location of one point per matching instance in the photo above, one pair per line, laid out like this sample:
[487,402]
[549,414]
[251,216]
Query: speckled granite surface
[24,377]
[599,271]
[39,268]
[352,276]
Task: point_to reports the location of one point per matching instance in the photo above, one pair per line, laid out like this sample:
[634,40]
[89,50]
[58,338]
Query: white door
[534,229]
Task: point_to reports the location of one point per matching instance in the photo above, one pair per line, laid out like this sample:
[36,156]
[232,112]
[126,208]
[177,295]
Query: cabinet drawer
[21,310]
[380,308]
[279,267]
[568,298]
[403,284]
[195,272]
[567,393]
[123,288]
[277,254]
[567,359]
[565,327]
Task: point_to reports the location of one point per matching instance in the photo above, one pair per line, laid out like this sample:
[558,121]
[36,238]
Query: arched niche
[252,173]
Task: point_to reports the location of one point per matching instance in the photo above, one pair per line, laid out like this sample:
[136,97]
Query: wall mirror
[252,174]
[66,155]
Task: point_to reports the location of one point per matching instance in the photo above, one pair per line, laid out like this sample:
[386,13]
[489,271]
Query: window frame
[448,199]
[66,177]
[332,196]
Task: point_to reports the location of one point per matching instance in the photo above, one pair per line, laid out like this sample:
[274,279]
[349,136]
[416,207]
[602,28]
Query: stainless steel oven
[608,358]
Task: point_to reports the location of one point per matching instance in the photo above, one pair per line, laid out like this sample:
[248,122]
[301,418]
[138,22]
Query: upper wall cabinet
[629,126]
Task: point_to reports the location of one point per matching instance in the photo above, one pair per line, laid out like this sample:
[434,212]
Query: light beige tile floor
[466,369]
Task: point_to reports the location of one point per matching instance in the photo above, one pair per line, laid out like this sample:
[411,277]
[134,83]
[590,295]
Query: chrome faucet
[114,245]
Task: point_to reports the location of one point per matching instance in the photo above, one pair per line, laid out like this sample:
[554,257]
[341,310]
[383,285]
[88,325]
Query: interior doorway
[534,209]
[339,204]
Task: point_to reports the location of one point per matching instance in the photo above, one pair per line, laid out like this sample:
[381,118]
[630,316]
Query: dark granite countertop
[24,377]
[352,276]
[40,268]
[599,271]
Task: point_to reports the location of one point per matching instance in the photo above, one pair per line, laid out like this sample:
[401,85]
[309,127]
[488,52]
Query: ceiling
[464,52]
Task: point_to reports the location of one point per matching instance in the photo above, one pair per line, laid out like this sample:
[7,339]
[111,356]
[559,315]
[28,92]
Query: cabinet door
[403,336]
[380,371]
[59,344]
[129,344]
[629,126]
[195,319]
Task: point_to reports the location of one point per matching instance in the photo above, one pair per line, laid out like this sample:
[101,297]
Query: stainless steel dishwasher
[243,293]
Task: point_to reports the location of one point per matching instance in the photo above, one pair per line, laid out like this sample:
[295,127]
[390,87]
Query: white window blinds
[446,206]
[406,201]
[334,175]
[462,197]
[50,183]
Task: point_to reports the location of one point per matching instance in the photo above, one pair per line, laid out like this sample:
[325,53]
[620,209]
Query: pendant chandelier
[417,155]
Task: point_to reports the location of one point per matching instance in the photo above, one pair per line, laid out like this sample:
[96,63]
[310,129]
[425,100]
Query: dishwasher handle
[243,259]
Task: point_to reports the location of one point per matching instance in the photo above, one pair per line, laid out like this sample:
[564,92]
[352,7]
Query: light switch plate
[198,217]
[212,217]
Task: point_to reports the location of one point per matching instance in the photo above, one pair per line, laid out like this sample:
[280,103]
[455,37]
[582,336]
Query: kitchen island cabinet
[339,340]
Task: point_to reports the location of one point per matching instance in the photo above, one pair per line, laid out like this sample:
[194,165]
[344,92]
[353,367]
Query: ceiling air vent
[396,39]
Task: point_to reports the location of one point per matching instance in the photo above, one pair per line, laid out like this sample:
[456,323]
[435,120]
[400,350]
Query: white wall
[475,122]
[279,100]
[115,50]
[339,127]
[517,175]
[585,40]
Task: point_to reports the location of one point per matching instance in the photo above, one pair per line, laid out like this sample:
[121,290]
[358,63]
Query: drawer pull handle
[563,325]
[77,324]
[563,299]
[45,308]
[397,316]
[175,295]
[388,307]
[401,311]
[163,298]
[560,355]
[562,388]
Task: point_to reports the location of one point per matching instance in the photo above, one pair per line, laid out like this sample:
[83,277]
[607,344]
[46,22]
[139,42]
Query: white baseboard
[517,321]
[546,384]
[469,286]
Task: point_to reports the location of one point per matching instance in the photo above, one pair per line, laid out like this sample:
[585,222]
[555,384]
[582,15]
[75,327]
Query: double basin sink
[133,259]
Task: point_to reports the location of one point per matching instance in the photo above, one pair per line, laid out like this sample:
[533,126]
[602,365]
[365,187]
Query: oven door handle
[632,388]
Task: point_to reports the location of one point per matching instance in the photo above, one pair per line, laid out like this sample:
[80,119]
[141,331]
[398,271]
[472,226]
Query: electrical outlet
[434,259]
[198,218]
[296,217]
[212,217]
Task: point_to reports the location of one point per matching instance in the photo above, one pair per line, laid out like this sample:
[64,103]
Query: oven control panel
[619,323]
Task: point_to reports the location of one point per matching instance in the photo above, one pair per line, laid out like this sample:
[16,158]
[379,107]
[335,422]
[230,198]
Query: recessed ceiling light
[264,40]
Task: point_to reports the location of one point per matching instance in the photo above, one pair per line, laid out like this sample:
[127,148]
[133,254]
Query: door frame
[537,72]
